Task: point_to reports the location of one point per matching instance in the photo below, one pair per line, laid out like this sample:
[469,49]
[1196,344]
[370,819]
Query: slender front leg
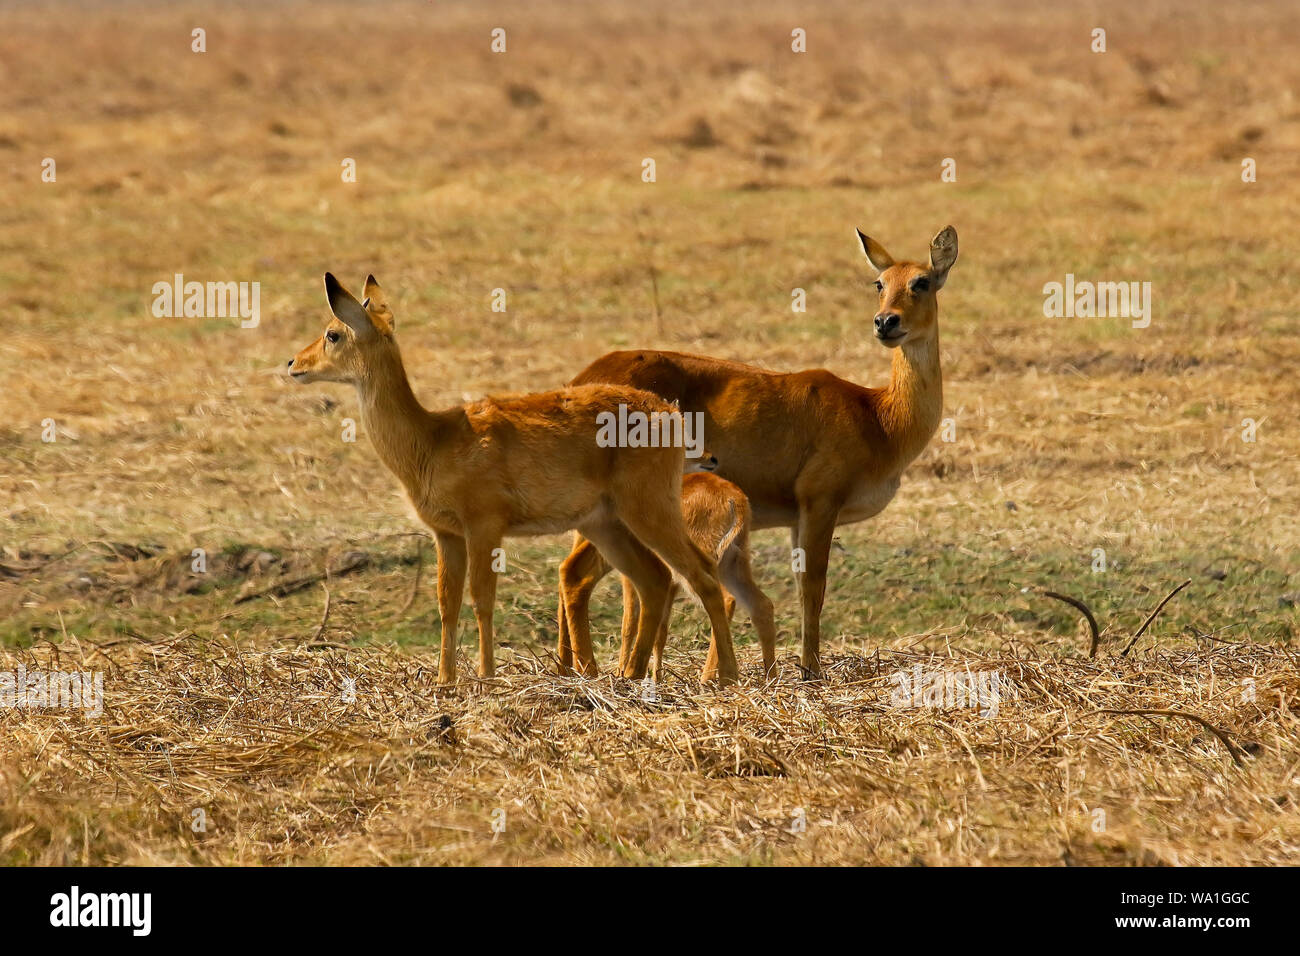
[483,591]
[451,592]
[564,646]
[631,615]
[621,549]
[816,529]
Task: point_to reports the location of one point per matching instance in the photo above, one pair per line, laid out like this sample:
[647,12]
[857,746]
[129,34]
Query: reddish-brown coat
[809,449]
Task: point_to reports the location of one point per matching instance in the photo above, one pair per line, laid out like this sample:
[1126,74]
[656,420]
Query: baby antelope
[718,519]
[509,467]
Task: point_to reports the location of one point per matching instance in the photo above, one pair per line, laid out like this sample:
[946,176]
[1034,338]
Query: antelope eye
[880,286]
[921,285]
[331,336]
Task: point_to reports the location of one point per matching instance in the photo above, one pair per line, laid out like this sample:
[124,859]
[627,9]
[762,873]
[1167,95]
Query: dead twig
[1087,613]
[415,585]
[649,244]
[1092,621]
[1147,623]
[352,561]
[326,616]
[1223,738]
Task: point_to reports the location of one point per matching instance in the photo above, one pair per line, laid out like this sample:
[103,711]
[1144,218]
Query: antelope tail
[734,530]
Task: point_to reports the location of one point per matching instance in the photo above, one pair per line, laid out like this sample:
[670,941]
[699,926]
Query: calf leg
[662,637]
[579,575]
[738,578]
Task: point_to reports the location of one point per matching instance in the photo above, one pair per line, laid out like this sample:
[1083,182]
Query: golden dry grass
[522,171]
[576,771]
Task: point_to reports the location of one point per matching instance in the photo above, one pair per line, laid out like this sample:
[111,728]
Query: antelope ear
[346,308]
[943,253]
[880,259]
[376,303]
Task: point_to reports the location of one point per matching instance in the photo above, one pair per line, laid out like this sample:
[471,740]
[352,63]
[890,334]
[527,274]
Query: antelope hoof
[718,677]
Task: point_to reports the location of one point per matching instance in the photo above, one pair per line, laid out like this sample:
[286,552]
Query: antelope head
[357,343]
[908,310]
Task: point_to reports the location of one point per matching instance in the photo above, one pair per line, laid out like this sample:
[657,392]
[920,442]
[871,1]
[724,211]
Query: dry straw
[286,767]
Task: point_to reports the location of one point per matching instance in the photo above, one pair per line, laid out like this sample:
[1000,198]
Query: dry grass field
[288,692]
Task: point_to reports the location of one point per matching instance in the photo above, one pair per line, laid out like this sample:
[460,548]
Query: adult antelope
[516,466]
[809,449]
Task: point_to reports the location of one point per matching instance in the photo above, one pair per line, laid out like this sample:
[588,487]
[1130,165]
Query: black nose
[290,363]
[886,323]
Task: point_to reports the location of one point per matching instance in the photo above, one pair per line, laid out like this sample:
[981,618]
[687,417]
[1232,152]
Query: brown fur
[718,520]
[525,465]
[811,450]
